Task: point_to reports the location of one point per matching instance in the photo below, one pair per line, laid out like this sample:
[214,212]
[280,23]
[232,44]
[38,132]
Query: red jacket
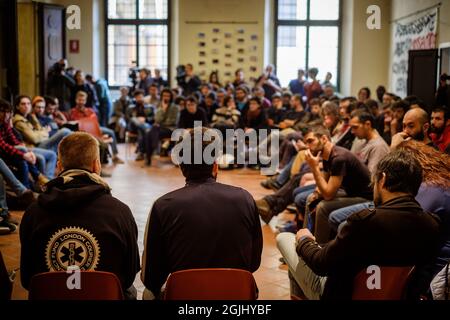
[76,114]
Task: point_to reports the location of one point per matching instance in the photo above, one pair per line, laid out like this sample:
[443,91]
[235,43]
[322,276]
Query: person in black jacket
[396,233]
[190,82]
[77,222]
[192,114]
[205,224]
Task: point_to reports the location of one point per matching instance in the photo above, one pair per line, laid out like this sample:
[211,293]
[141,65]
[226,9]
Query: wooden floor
[139,187]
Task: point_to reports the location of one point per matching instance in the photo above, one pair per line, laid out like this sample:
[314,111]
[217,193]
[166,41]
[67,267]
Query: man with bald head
[416,125]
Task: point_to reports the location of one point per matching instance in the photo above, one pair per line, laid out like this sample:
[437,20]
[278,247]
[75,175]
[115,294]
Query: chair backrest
[5,282]
[211,284]
[393,284]
[94,285]
[90,125]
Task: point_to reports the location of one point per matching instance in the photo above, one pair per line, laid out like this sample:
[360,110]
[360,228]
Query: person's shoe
[6,224]
[26,198]
[270,184]
[140,157]
[148,161]
[12,220]
[117,160]
[264,210]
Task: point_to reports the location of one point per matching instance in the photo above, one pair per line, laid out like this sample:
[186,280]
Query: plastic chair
[90,125]
[5,281]
[211,284]
[94,285]
[393,284]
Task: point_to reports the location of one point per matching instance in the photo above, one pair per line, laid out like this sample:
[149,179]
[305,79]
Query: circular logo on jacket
[72,247]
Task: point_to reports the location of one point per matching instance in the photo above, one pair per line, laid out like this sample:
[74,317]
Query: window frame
[137,23]
[310,23]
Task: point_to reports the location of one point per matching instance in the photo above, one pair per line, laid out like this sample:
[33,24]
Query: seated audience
[384,236]
[152,98]
[226,223]
[31,130]
[14,152]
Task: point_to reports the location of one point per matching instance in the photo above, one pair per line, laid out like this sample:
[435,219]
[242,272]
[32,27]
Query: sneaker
[270,184]
[6,224]
[264,210]
[117,160]
[140,157]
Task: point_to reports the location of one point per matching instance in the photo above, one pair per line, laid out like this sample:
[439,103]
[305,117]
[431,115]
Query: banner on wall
[417,33]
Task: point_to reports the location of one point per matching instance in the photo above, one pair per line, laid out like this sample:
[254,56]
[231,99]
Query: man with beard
[384,236]
[440,128]
[342,170]
[415,126]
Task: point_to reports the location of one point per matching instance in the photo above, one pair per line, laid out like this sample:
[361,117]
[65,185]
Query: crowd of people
[368,178]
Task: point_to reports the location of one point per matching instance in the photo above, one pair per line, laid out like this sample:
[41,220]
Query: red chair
[393,284]
[6,285]
[211,284]
[95,285]
[90,125]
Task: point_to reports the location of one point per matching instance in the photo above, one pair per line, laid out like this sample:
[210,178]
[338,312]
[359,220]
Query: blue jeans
[111,133]
[142,129]
[301,195]
[45,160]
[53,142]
[338,217]
[285,174]
[7,176]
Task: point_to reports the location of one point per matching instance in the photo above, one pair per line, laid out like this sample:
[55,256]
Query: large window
[307,36]
[137,36]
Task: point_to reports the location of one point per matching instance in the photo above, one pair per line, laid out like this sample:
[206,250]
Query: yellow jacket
[30,129]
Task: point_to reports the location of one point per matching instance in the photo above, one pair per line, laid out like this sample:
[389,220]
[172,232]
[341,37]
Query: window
[137,36]
[307,30]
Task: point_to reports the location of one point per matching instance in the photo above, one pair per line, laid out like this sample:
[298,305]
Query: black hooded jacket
[397,233]
[77,222]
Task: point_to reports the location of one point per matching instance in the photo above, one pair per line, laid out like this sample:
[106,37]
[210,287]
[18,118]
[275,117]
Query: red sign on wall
[74,46]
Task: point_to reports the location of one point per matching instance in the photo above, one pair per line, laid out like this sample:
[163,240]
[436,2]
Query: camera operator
[187,80]
[443,92]
[60,84]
